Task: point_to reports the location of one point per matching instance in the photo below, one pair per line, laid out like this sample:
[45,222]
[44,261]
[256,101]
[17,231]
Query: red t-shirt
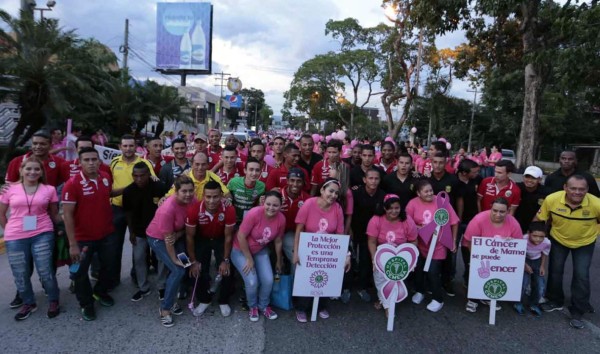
[278,178]
[389,168]
[158,166]
[321,172]
[71,168]
[93,213]
[211,226]
[489,191]
[214,156]
[265,172]
[225,177]
[52,166]
[290,208]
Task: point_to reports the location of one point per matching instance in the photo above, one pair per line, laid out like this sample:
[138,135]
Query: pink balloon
[443,140]
[341,135]
[353,143]
[334,135]
[316,138]
[327,138]
[389,138]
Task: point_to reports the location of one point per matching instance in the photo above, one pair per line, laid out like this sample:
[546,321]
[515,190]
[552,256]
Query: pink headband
[389,196]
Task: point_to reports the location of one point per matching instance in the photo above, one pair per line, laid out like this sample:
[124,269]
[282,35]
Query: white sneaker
[435,306]
[199,310]
[225,310]
[418,298]
[471,306]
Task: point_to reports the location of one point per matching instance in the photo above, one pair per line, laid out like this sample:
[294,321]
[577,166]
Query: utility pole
[218,123]
[125,48]
[472,117]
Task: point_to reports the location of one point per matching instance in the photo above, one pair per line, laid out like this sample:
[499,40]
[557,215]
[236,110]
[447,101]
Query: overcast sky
[262,42]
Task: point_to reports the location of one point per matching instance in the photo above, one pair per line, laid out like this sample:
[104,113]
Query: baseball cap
[201,136]
[533,171]
[295,172]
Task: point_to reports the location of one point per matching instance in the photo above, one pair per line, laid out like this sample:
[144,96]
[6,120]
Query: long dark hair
[387,204]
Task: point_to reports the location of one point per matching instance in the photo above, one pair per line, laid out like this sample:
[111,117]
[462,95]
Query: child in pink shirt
[422,209]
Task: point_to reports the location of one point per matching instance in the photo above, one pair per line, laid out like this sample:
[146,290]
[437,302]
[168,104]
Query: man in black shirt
[140,201]
[367,199]
[402,183]
[171,170]
[466,206]
[357,173]
[568,167]
[533,194]
[308,158]
[354,159]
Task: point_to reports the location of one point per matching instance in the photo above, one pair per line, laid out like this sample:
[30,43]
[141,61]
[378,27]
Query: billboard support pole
[183,78]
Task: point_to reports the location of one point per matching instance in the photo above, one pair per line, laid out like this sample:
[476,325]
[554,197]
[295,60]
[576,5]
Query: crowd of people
[245,204]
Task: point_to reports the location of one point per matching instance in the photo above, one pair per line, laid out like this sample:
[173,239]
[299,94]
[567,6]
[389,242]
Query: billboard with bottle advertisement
[184,37]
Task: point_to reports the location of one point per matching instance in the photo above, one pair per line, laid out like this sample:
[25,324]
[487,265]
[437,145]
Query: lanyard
[27,198]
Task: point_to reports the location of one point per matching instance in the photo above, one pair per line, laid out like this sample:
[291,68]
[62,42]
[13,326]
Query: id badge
[29,223]
[245,212]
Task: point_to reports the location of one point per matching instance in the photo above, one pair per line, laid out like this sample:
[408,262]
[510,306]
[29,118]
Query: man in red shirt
[324,168]
[229,166]
[72,168]
[278,178]
[88,222]
[40,148]
[499,186]
[257,150]
[154,148]
[214,148]
[293,197]
[209,228]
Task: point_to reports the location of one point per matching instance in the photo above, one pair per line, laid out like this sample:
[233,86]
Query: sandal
[378,305]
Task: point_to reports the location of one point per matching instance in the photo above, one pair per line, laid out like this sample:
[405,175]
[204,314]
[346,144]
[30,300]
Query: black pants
[433,278]
[365,265]
[204,247]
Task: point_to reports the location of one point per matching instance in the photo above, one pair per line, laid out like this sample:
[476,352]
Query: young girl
[538,249]
[422,210]
[394,228]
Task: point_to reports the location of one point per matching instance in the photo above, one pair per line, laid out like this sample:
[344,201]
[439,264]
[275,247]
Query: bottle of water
[74,268]
[198,45]
[215,285]
[185,51]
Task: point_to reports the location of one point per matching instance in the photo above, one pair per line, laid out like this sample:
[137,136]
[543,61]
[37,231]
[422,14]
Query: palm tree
[161,102]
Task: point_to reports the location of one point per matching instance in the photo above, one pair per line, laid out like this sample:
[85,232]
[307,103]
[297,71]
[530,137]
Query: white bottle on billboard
[185,51]
[198,47]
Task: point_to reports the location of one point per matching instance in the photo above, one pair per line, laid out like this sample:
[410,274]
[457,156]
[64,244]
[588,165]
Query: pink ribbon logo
[440,223]
[395,263]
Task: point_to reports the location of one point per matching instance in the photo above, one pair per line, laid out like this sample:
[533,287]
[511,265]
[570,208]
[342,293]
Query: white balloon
[413,130]
[448,146]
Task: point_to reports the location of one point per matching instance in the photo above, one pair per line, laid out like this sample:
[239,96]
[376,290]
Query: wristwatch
[226,260]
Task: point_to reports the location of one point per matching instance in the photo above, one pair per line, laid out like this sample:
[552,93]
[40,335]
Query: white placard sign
[321,269]
[496,270]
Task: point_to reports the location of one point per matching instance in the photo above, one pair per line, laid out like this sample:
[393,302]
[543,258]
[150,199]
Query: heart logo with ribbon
[440,223]
[395,263]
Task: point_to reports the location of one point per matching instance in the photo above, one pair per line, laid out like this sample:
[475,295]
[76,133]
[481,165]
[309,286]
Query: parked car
[509,155]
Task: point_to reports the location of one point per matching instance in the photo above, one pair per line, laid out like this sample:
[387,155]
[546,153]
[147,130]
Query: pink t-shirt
[318,221]
[169,218]
[481,226]
[422,213]
[260,230]
[393,233]
[497,156]
[535,251]
[16,199]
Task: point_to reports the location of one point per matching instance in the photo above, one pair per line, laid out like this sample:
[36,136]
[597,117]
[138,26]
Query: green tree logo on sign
[495,289]
[441,217]
[396,268]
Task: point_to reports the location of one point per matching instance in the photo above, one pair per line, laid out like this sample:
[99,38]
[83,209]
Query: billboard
[184,37]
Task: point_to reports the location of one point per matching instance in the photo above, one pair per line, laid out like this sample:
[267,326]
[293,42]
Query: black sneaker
[17,302]
[176,310]
[94,275]
[104,299]
[577,324]
[25,311]
[161,294]
[72,287]
[449,289]
[88,313]
[140,295]
[182,295]
[550,306]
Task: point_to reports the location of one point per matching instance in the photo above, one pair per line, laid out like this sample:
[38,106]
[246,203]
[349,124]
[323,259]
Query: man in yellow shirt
[574,215]
[121,168]
[200,174]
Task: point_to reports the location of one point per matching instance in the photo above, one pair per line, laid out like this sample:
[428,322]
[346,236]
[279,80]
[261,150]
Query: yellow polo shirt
[572,228]
[199,185]
[121,175]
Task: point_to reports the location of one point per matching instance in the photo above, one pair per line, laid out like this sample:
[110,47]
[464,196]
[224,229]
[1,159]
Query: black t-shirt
[556,180]
[448,183]
[365,206]
[142,204]
[468,192]
[405,190]
[314,158]
[357,174]
[529,205]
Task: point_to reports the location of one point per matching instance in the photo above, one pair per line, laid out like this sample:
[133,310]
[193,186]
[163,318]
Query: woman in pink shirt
[250,256]
[165,238]
[29,234]
[322,215]
[422,210]
[491,161]
[496,222]
[394,227]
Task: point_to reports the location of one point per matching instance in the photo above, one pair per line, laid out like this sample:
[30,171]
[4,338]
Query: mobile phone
[184,259]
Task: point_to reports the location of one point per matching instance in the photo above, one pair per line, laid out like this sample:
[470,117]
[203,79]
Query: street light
[49,5]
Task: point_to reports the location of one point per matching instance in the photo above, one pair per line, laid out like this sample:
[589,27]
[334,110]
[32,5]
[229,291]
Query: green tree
[161,102]
[254,101]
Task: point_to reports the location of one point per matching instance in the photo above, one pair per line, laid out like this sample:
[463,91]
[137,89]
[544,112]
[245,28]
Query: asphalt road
[130,327]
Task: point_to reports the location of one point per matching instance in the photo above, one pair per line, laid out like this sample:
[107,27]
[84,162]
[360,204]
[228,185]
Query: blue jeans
[580,284]
[259,281]
[21,252]
[538,283]
[176,272]
[105,251]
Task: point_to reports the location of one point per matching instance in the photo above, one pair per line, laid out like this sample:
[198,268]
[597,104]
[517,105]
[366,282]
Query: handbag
[281,295]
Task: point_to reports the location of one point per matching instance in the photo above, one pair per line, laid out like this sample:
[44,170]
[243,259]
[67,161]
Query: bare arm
[3,218]
[69,218]
[278,252]
[190,244]
[479,198]
[246,251]
[372,243]
[299,229]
